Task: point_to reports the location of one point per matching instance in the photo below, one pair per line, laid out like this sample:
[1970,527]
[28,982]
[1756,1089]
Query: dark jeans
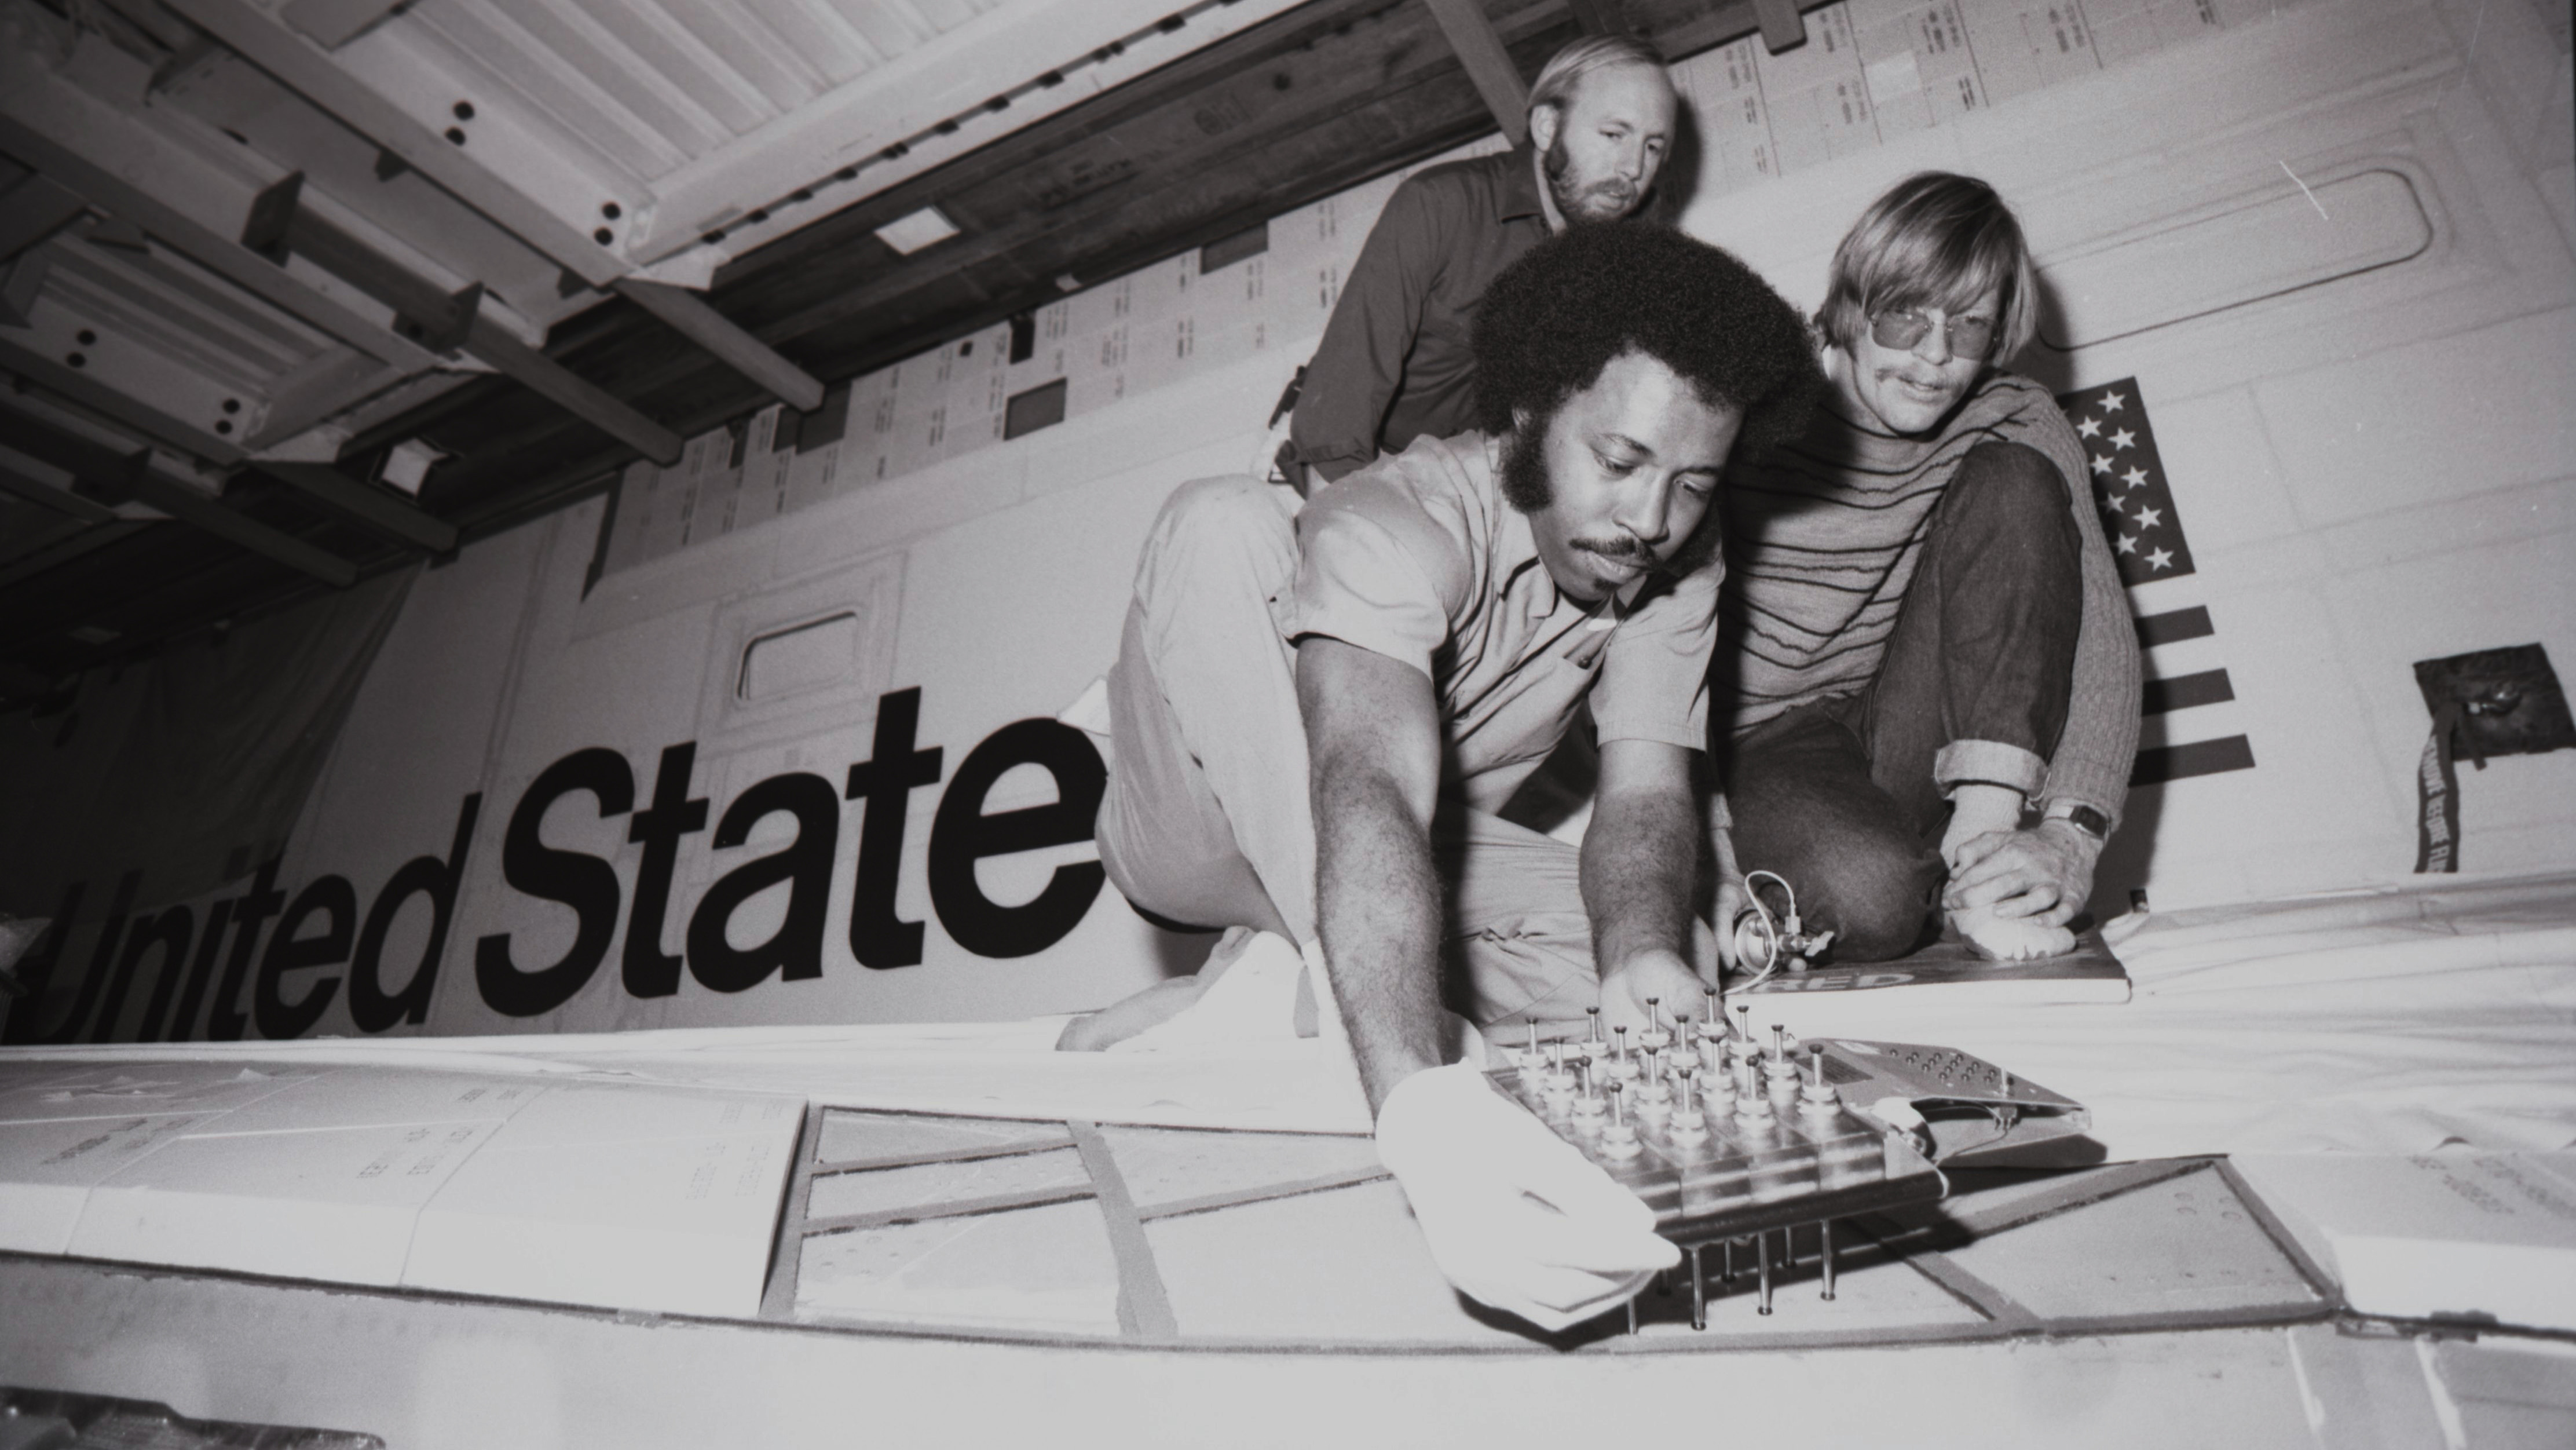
[1839,796]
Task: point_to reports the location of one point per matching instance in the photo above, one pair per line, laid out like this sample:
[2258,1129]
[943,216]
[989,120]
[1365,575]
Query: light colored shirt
[1419,558]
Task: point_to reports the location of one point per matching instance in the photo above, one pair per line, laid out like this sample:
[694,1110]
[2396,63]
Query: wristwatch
[2082,817]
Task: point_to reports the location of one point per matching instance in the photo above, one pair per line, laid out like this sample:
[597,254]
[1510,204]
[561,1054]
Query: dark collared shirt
[1394,364]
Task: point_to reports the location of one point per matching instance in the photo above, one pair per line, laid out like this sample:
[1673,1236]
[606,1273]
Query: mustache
[1626,548]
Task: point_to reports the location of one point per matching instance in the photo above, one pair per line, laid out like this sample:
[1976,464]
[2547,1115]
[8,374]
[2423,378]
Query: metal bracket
[31,211]
[25,278]
[272,213]
[1781,27]
[452,322]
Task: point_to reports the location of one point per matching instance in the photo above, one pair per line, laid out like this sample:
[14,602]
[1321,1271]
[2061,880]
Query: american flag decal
[2128,479]
[2190,725]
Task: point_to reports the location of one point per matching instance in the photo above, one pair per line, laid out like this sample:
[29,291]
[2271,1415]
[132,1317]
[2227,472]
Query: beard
[1524,477]
[1584,203]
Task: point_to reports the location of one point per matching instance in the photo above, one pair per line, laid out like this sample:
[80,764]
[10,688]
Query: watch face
[2090,821]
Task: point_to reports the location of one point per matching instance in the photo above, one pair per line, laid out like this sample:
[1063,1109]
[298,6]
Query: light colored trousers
[1208,820]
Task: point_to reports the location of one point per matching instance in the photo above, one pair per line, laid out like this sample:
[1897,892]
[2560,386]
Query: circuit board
[1723,1138]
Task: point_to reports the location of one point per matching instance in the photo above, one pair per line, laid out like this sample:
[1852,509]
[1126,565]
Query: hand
[1514,1215]
[1659,974]
[1732,899]
[2044,873]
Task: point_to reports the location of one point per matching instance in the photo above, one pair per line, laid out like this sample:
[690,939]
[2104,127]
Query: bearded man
[1395,363]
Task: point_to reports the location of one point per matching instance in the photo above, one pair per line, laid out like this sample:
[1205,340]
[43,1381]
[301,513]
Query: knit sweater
[1822,541]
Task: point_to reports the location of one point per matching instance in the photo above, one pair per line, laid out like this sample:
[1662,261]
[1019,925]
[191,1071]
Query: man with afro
[1316,716]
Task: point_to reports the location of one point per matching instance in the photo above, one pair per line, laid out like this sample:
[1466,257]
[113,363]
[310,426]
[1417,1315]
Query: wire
[1761,912]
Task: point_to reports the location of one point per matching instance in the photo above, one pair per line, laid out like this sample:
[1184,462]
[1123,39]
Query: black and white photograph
[812,723]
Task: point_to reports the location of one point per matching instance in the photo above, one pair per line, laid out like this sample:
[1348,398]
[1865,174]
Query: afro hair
[1557,316]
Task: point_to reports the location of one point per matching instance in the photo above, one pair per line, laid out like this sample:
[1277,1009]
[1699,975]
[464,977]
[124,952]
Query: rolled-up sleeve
[1654,674]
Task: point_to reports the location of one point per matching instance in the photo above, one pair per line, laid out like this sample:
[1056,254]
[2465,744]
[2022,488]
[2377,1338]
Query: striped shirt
[1822,538]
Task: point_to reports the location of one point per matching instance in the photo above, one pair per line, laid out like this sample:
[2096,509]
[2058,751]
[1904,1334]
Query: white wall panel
[2372,470]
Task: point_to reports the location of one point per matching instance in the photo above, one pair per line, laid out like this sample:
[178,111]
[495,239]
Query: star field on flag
[2129,485]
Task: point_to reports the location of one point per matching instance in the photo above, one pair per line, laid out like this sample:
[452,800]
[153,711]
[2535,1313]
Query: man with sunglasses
[1933,674]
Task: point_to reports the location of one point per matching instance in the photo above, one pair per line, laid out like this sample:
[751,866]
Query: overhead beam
[307,69]
[113,475]
[97,536]
[691,317]
[23,535]
[196,241]
[1596,16]
[31,211]
[60,500]
[856,124]
[320,388]
[189,506]
[1488,64]
[115,404]
[363,503]
[418,299]
[334,23]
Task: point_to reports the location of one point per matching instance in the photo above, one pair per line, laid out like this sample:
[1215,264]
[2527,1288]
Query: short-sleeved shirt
[1394,364]
[1419,557]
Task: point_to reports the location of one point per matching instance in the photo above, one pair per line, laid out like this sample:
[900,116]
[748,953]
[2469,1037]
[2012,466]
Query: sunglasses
[1902,329]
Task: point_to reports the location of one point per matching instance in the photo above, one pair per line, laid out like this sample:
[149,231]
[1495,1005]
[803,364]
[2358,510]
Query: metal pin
[1762,1257]
[1816,1056]
[1699,1292]
[1826,1245]
[1779,1041]
[1533,1047]
[1632,1316]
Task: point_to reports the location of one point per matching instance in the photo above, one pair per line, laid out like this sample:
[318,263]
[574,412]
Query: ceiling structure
[260,263]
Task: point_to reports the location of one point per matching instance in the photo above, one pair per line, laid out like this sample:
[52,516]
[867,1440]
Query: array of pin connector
[1725,1137]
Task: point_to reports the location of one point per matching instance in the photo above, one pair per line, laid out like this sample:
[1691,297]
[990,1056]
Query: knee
[2011,491]
[1874,892]
[1230,527]
[1220,511]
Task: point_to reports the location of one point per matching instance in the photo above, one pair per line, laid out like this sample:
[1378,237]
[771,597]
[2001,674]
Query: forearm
[2100,741]
[1640,866]
[1378,907]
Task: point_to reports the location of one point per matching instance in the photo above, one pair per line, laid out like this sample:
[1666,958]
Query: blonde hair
[1565,70]
[1934,239]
